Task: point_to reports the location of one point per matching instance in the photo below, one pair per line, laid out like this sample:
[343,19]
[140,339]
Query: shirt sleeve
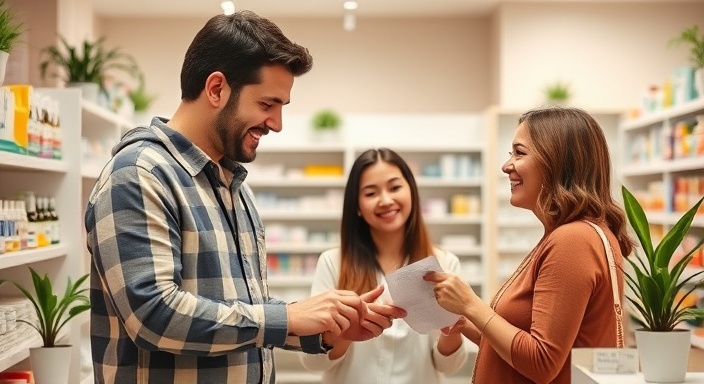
[566,277]
[135,240]
[453,362]
[327,271]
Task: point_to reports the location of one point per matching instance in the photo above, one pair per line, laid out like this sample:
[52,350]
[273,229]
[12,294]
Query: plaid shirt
[178,272]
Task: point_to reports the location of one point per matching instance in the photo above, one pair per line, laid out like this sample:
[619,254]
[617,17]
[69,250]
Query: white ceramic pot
[3,65]
[664,355]
[699,82]
[89,91]
[50,365]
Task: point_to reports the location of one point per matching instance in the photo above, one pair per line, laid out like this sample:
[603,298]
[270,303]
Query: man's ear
[217,91]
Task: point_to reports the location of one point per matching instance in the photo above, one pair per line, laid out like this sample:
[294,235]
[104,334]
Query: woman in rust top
[561,295]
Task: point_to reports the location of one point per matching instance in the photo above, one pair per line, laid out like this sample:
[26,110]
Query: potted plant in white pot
[557,93]
[326,125]
[51,361]
[10,32]
[692,37]
[654,283]
[85,66]
[141,99]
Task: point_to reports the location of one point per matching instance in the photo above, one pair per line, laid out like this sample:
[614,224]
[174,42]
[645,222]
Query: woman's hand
[452,292]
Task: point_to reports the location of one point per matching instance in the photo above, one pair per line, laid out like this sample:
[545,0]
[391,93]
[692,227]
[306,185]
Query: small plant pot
[89,91]
[664,355]
[699,82]
[50,365]
[3,65]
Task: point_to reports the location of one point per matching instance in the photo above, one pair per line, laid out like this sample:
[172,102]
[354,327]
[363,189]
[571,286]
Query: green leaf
[53,312]
[639,222]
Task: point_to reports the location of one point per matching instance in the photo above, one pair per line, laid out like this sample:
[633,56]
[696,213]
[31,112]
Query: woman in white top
[382,230]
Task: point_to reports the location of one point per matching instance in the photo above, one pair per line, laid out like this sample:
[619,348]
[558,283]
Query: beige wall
[608,53]
[385,66]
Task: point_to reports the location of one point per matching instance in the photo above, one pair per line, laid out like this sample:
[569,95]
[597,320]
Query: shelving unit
[513,232]
[61,179]
[652,176]
[313,225]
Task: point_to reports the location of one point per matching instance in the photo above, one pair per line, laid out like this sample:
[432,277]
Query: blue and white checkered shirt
[178,273]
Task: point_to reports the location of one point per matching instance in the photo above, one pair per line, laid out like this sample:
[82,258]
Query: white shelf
[28,256]
[658,167]
[659,116]
[464,251]
[294,377]
[284,281]
[302,182]
[519,222]
[301,148]
[691,271]
[299,248]
[447,147]
[453,219]
[301,214]
[14,161]
[18,343]
[94,111]
[90,171]
[524,249]
[671,218]
[430,182]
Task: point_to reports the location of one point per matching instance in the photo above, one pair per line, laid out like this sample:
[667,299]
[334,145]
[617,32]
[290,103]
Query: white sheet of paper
[409,291]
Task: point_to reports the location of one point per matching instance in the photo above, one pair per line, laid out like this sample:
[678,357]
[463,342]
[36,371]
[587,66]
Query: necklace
[495,301]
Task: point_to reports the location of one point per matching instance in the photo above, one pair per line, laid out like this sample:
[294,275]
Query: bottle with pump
[54,220]
[33,220]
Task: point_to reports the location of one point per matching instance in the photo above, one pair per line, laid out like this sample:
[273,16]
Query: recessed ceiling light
[350,5]
[228,7]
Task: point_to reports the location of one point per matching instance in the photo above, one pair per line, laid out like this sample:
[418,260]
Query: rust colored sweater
[562,299]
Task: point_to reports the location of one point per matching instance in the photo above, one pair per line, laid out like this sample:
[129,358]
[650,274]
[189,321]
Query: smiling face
[524,172]
[384,198]
[245,119]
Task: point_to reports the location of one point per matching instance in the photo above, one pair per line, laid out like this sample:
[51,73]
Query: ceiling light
[349,22]
[228,7]
[350,5]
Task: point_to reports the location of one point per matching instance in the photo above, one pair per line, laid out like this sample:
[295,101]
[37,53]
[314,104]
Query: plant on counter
[140,97]
[692,37]
[326,119]
[655,285]
[10,28]
[53,313]
[558,92]
[87,65]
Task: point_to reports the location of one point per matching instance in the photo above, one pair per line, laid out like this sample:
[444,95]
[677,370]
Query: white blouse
[399,355]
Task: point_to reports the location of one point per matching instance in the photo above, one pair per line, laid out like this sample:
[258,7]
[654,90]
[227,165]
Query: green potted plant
[326,119]
[10,32]
[691,36]
[51,362]
[557,93]
[87,65]
[326,124]
[654,283]
[141,100]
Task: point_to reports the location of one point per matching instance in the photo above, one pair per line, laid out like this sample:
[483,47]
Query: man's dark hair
[239,45]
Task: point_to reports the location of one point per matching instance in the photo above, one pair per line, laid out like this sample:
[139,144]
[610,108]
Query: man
[178,279]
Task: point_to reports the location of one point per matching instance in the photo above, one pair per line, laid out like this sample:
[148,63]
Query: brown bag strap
[614,283]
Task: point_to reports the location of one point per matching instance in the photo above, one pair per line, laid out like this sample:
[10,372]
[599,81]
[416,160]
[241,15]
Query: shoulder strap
[614,283]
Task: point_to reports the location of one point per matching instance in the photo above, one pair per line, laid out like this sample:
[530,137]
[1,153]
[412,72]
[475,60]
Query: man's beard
[232,131]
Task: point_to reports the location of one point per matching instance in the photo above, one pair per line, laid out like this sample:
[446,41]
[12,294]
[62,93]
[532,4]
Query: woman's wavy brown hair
[357,251]
[572,151]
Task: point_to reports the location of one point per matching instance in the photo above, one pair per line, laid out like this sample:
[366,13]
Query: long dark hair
[238,45]
[358,252]
[572,151]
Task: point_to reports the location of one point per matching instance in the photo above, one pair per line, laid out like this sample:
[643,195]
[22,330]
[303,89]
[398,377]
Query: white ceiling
[293,8]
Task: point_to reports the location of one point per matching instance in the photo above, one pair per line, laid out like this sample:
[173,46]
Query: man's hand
[373,319]
[332,311]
